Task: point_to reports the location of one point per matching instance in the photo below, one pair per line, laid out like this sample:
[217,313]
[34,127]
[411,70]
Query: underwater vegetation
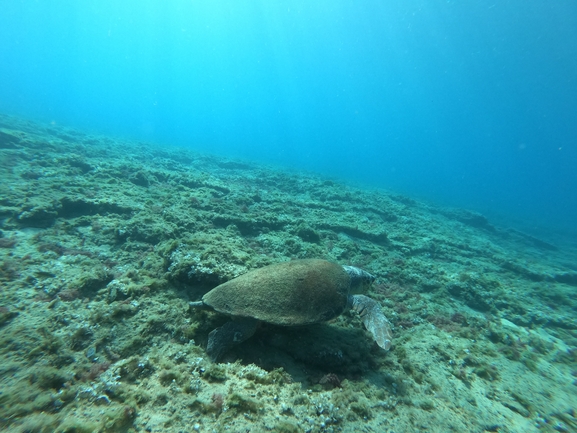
[105,242]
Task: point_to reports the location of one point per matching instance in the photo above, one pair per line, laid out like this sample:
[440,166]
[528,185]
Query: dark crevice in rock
[248,227]
[72,208]
[378,238]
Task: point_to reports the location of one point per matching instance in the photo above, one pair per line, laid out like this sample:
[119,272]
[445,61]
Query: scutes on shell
[297,292]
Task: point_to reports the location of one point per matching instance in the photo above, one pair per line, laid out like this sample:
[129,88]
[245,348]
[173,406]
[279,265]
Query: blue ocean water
[471,104]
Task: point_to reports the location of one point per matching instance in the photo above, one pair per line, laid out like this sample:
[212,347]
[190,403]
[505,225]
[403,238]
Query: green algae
[215,373]
[243,404]
[286,427]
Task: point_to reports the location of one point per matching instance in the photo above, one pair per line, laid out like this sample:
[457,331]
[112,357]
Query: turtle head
[360,280]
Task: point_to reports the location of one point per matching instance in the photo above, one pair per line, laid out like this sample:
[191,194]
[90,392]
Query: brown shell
[298,292]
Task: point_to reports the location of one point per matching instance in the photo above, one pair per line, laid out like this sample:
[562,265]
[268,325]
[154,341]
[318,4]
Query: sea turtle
[298,292]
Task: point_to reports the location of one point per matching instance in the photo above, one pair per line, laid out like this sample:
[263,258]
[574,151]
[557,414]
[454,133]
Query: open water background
[471,104]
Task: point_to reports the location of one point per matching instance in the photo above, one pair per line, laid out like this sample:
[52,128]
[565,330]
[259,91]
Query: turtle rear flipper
[374,319]
[220,340]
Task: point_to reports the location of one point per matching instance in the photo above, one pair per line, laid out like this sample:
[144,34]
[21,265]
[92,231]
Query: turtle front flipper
[374,319]
[220,340]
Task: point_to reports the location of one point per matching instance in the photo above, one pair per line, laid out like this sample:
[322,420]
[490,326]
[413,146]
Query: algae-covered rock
[105,241]
[242,403]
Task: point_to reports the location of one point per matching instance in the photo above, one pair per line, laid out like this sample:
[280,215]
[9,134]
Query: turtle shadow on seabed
[308,352]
